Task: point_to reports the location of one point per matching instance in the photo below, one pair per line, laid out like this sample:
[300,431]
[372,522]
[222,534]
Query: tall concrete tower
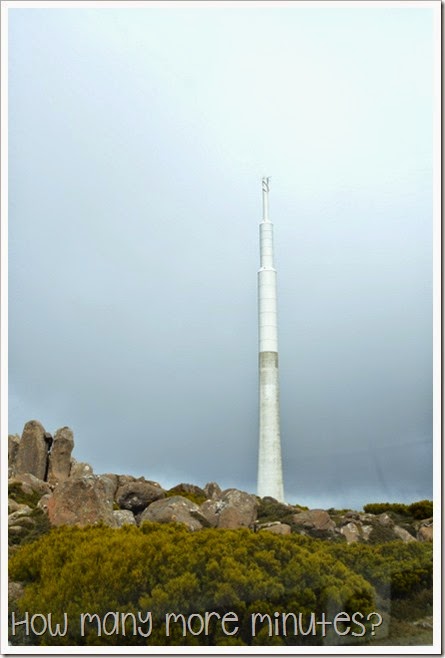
[270,470]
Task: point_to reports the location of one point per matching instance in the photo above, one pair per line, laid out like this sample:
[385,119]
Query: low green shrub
[166,568]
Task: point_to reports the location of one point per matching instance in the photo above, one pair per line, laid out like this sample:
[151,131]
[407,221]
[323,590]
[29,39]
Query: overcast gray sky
[138,138]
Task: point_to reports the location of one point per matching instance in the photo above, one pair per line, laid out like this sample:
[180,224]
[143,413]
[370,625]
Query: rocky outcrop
[32,452]
[80,501]
[47,485]
[60,456]
[136,496]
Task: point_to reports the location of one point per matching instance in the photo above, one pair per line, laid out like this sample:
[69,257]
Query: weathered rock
[238,509]
[403,534]
[32,453]
[136,496]
[13,448]
[385,520]
[173,509]
[29,484]
[111,482]
[425,533]
[351,532]
[80,501]
[123,517]
[23,520]
[60,456]
[314,519]
[277,528]
[80,469]
[212,490]
[210,509]
[15,517]
[13,505]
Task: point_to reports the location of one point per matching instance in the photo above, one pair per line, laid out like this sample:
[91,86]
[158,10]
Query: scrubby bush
[423,509]
[380,508]
[166,568]
[271,510]
[396,570]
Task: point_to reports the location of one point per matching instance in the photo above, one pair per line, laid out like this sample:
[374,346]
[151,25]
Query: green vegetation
[166,568]
[423,509]
[396,570]
[271,510]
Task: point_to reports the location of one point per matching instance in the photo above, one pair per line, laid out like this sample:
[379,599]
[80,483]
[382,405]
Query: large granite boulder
[351,532]
[32,453]
[60,456]
[403,534]
[175,509]
[136,496]
[236,509]
[314,519]
[80,501]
